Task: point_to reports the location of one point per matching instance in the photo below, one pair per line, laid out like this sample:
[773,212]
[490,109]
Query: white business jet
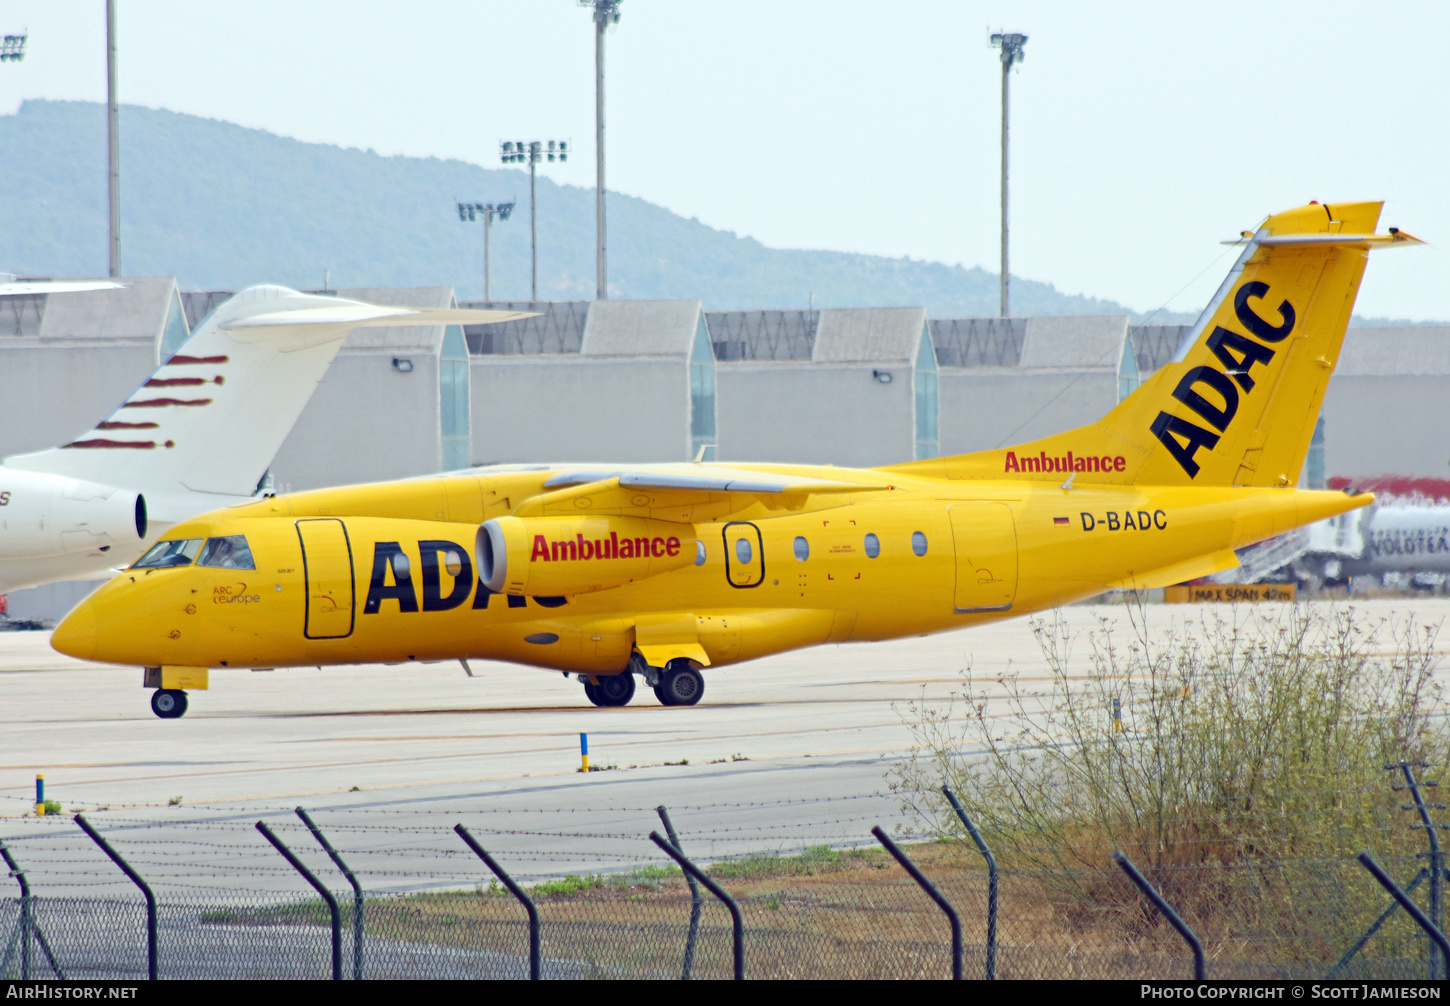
[198,434]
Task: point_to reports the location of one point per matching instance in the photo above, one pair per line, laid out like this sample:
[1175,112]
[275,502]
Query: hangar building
[845,386]
[637,381]
[611,380]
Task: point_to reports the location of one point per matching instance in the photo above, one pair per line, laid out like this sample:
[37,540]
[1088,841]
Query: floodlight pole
[606,12]
[487,226]
[1011,45]
[533,226]
[514,152]
[113,140]
[467,213]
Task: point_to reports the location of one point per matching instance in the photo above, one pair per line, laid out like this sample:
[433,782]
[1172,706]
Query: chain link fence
[228,905]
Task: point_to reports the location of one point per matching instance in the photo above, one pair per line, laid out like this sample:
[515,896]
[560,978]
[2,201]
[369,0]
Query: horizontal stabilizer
[356,314]
[24,287]
[1396,238]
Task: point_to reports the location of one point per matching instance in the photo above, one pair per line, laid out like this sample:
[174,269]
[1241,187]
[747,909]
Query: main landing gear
[168,703]
[679,684]
[612,690]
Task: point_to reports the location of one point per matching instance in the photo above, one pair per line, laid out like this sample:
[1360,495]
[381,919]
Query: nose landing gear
[168,703]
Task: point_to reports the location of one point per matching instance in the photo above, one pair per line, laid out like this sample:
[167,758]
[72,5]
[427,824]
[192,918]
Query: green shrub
[1252,736]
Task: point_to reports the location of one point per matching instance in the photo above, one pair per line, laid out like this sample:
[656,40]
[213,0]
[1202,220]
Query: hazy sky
[1143,133]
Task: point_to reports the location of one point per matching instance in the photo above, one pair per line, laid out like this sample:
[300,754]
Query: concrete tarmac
[782,753]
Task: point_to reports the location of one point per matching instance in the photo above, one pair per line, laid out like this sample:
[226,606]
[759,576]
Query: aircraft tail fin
[211,418]
[1237,404]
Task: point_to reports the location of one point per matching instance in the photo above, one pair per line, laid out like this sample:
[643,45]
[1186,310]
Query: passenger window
[802,548]
[169,553]
[699,553]
[918,542]
[742,550]
[231,552]
[873,546]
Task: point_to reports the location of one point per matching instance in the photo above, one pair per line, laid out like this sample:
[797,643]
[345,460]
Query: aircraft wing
[706,492]
[712,479]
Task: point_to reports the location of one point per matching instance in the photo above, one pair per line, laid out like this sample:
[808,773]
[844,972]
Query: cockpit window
[169,553]
[230,552]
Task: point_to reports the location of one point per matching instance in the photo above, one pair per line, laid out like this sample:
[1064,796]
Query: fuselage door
[328,573]
[985,539]
[744,554]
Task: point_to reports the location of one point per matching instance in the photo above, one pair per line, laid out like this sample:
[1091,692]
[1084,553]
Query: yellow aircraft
[662,570]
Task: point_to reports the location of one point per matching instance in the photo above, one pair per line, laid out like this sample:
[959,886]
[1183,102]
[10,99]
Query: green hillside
[221,206]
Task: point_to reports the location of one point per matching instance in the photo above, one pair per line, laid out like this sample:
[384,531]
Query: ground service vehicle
[662,571]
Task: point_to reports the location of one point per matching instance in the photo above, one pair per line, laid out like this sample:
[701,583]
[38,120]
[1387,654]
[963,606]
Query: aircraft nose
[75,636]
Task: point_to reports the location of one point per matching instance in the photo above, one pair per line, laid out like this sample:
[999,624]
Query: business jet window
[873,546]
[802,548]
[169,553]
[918,542]
[230,552]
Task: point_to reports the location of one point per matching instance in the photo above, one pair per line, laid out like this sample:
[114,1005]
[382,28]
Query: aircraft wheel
[680,686]
[613,689]
[168,703]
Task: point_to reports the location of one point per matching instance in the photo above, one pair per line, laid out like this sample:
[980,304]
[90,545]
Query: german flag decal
[1059,520]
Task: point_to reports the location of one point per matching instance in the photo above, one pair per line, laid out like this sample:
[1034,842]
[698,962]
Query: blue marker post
[40,795]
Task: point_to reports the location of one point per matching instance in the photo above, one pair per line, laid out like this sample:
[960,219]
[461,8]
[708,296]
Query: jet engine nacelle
[43,514]
[553,556]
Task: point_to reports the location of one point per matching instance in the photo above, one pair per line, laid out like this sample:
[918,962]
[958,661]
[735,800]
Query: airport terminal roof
[1406,350]
[1155,345]
[666,328]
[200,303]
[1070,342]
[868,335]
[1368,351]
[557,327]
[1074,343]
[978,342]
[640,328]
[829,335]
[763,335]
